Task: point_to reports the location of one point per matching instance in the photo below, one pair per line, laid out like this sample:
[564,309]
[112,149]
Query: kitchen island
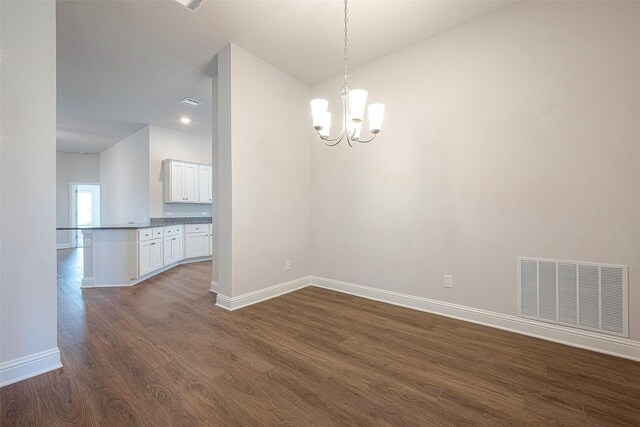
[127,254]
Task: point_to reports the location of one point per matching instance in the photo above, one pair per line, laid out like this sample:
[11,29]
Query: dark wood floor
[161,354]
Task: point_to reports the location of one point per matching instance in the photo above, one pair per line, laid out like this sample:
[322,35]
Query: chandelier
[353,106]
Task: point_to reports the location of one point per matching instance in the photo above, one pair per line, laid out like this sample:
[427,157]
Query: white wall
[72,168]
[28,314]
[124,180]
[170,144]
[516,134]
[264,147]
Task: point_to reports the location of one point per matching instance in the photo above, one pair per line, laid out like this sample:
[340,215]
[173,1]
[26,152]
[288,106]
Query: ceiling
[125,64]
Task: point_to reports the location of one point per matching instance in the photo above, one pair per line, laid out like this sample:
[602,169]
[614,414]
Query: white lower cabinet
[197,244]
[163,246]
[149,256]
[172,249]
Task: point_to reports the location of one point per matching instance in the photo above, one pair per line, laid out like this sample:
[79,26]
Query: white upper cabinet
[204,182]
[191,183]
[175,179]
[186,182]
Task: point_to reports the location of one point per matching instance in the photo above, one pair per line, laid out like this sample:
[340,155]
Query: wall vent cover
[192,5]
[582,295]
[190,102]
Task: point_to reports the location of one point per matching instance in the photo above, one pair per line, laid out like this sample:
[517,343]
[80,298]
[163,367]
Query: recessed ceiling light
[185,120]
[190,102]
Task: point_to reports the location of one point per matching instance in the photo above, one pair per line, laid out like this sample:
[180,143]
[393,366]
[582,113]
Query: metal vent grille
[190,102]
[194,4]
[577,294]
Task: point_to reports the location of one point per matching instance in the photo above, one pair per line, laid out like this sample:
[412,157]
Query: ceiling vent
[190,102]
[192,5]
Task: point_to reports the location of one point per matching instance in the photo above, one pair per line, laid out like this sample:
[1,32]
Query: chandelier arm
[349,141]
[335,143]
[364,141]
[351,137]
[328,139]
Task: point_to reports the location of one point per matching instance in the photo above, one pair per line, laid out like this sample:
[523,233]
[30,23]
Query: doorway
[85,210]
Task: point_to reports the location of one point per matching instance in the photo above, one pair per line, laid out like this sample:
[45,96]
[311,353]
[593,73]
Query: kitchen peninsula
[127,254]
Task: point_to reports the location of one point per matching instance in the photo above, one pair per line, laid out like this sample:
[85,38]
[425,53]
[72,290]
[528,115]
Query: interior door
[85,209]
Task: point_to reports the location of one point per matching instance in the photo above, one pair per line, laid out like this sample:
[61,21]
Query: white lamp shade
[355,128]
[318,109]
[357,102]
[325,122]
[376,114]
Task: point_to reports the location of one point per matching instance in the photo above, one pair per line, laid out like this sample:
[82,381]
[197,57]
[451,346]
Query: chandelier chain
[346,40]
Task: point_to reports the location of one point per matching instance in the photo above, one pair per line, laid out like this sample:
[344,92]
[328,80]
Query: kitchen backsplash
[156,222]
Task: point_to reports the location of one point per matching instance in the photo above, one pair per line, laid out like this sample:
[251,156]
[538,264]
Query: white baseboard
[163,269]
[621,347]
[88,283]
[110,285]
[234,303]
[215,286]
[192,260]
[29,366]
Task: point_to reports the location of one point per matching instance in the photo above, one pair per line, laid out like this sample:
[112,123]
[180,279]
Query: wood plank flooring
[161,354]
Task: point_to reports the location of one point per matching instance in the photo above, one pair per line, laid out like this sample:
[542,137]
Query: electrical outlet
[448,281]
[287,265]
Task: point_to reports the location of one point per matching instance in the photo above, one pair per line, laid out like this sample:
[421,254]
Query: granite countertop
[153,222]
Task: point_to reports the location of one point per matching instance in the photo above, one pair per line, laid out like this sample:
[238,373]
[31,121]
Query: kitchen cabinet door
[177,181]
[180,182]
[204,184]
[172,249]
[168,255]
[211,239]
[196,245]
[190,183]
[144,258]
[157,260]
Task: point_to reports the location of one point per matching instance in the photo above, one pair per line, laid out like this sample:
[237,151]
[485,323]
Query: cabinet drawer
[197,228]
[172,230]
[145,234]
[158,232]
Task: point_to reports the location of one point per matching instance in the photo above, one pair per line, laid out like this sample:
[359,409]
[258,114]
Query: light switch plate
[448,281]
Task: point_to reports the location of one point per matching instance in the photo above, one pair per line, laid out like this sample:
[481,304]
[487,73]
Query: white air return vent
[190,102]
[582,295]
[192,5]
